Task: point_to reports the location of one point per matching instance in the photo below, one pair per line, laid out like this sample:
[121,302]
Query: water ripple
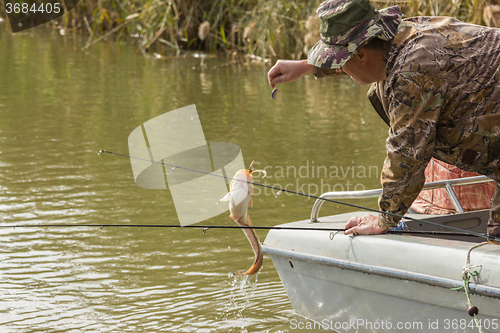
[60,106]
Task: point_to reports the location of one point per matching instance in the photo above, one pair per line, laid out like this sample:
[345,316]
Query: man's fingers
[352,223]
[273,75]
[363,225]
[278,79]
[276,76]
[353,230]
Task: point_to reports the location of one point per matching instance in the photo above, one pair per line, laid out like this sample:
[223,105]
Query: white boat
[391,282]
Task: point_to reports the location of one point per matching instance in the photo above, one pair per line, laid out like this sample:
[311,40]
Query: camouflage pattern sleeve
[415,102]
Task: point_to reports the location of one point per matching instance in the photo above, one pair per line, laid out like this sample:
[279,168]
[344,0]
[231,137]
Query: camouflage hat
[345,26]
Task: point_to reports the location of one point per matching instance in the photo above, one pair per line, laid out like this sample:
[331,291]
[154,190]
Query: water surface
[59,106]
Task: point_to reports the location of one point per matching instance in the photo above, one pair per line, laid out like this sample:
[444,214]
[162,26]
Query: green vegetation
[255,27]
[260,28]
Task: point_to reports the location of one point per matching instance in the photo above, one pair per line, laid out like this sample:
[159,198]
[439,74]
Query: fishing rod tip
[100,152]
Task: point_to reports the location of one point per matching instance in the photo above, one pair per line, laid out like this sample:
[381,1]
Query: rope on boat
[468,267]
[468,271]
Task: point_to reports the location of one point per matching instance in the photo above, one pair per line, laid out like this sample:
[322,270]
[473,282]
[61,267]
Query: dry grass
[263,29]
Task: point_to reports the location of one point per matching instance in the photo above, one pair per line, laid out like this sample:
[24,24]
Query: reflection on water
[114,280]
[59,106]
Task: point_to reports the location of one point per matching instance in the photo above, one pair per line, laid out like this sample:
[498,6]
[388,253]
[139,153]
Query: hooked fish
[240,201]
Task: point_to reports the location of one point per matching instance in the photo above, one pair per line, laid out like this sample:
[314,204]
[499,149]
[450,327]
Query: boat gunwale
[475,288]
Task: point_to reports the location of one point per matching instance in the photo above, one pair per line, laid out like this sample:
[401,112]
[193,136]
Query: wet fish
[240,201]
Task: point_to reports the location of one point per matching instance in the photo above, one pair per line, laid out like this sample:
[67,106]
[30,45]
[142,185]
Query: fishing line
[280,190]
[207,227]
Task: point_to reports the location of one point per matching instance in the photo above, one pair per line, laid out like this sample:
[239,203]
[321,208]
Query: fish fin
[253,269]
[238,196]
[235,218]
[226,197]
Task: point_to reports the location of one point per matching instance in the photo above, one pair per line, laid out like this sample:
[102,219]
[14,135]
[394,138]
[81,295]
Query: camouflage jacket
[442,99]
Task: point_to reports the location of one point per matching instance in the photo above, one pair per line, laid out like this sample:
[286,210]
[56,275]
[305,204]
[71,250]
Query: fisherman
[435,80]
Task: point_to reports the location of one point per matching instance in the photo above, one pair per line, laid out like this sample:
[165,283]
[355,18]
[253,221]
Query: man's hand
[364,225]
[288,71]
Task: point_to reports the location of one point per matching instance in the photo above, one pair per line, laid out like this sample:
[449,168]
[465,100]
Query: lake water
[60,105]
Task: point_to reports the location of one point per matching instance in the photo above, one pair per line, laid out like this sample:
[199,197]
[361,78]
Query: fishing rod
[207,227]
[458,231]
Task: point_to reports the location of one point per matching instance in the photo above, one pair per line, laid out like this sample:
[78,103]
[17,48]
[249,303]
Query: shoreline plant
[257,28]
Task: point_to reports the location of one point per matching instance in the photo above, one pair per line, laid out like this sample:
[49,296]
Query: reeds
[263,29]
[259,28]
[464,10]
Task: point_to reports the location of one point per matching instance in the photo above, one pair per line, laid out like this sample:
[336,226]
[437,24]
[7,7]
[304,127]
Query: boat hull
[383,283]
